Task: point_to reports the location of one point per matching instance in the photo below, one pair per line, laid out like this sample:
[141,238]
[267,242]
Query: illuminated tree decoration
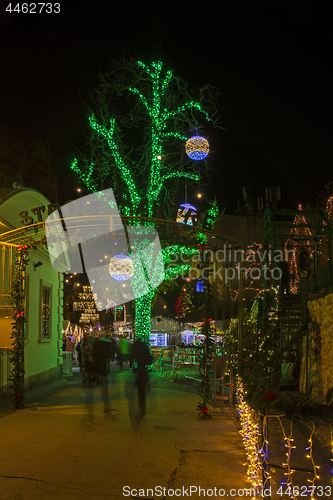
[187,214]
[143,173]
[300,229]
[87,305]
[197,148]
[121,267]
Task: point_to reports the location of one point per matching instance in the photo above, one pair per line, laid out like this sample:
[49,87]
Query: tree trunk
[143,316]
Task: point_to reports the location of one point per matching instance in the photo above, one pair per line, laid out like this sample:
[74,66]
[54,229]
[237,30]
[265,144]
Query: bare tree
[31,163]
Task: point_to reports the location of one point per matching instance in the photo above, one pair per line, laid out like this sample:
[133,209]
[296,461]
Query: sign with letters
[26,219]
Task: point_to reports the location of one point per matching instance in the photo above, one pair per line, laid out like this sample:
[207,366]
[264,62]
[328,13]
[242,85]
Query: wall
[320,349]
[246,229]
[6,327]
[42,354]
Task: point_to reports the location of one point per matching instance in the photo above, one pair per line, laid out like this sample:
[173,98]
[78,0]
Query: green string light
[144,184]
[212,214]
[86,178]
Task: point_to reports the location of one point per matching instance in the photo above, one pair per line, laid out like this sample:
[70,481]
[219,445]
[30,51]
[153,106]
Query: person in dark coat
[79,353]
[87,358]
[101,353]
[141,359]
[113,348]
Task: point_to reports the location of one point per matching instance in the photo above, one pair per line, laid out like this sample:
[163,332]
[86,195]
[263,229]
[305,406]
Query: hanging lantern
[197,148]
[121,267]
[187,214]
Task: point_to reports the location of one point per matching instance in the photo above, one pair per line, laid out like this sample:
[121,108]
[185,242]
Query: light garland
[81,306]
[250,434]
[87,305]
[86,178]
[288,444]
[160,118]
[87,318]
[18,302]
[213,212]
[256,456]
[315,467]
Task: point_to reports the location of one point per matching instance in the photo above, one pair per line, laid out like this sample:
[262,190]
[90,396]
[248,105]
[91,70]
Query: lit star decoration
[121,267]
[197,148]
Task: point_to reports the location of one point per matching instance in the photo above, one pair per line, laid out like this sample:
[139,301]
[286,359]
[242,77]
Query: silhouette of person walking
[141,359]
[101,353]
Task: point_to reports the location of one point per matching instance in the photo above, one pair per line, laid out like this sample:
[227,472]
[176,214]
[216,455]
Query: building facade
[22,212]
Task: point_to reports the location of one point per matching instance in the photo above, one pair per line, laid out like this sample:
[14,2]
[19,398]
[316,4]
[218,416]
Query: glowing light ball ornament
[121,267]
[197,148]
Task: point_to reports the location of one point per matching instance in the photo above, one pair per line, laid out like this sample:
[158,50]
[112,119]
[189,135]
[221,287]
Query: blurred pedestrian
[79,353]
[113,349]
[70,346]
[108,350]
[87,354]
[124,350]
[100,349]
[142,359]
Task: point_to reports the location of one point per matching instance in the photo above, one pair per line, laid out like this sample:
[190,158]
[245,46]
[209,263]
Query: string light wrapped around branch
[121,267]
[197,148]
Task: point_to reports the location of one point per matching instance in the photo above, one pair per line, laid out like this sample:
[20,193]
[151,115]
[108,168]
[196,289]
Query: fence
[5,371]
[223,384]
[179,363]
[183,363]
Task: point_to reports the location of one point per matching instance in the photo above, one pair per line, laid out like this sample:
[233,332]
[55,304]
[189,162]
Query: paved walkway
[50,450]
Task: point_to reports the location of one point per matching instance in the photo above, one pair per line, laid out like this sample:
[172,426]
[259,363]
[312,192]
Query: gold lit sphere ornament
[121,267]
[197,148]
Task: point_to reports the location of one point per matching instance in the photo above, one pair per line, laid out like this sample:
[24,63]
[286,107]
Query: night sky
[272,62]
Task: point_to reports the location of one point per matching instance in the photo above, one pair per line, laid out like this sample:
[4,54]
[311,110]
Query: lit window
[45,313]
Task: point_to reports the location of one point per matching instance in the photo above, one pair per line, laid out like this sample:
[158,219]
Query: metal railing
[223,384]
